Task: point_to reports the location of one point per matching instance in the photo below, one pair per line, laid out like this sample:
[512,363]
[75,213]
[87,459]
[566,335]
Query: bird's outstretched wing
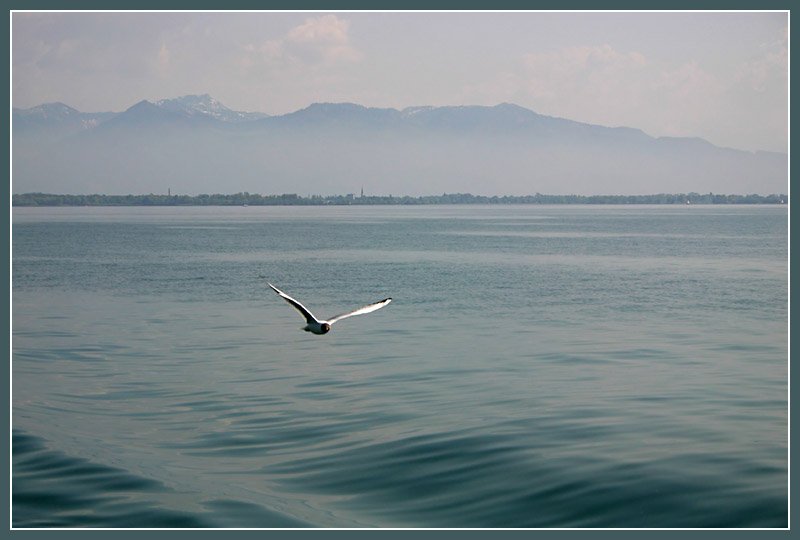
[360,311]
[297,305]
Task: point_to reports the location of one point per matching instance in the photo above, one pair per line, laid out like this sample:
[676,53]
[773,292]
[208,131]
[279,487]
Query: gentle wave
[454,479]
[54,490]
[630,372]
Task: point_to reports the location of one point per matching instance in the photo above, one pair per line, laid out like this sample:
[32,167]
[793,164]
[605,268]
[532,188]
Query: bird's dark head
[325,328]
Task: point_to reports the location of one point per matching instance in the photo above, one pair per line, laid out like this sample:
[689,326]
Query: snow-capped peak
[205,105]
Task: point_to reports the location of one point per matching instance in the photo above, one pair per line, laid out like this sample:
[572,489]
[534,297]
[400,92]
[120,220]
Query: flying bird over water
[316,326]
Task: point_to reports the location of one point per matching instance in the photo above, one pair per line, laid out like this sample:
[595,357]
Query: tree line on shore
[293,199]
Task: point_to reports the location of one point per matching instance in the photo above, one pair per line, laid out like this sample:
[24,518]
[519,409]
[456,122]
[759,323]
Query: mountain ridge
[197,144]
[205,106]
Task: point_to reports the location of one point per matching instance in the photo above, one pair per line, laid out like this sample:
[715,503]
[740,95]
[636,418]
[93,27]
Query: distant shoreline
[291,199]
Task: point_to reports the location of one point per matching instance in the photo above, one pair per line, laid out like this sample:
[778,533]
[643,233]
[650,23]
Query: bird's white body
[319,327]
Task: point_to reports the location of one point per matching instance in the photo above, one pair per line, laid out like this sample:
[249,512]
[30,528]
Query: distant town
[292,199]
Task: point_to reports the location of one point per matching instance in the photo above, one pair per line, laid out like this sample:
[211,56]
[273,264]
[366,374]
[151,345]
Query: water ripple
[51,489]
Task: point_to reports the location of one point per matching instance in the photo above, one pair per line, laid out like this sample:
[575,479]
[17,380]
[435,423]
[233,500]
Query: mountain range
[194,144]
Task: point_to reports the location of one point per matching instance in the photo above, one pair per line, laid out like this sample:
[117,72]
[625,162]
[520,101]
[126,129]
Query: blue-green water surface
[562,366]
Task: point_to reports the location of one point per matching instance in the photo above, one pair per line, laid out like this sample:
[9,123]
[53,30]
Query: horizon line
[467,198]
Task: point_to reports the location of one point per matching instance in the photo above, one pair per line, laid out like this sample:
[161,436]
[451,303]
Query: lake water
[554,367]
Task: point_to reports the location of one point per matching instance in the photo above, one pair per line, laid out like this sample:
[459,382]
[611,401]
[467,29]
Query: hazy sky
[720,76]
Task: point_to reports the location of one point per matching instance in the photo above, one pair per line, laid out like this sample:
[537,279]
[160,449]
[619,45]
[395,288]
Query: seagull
[314,325]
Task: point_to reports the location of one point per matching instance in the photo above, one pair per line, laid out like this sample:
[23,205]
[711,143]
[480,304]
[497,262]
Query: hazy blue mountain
[336,112]
[146,115]
[194,144]
[205,105]
[57,117]
[54,120]
[503,117]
